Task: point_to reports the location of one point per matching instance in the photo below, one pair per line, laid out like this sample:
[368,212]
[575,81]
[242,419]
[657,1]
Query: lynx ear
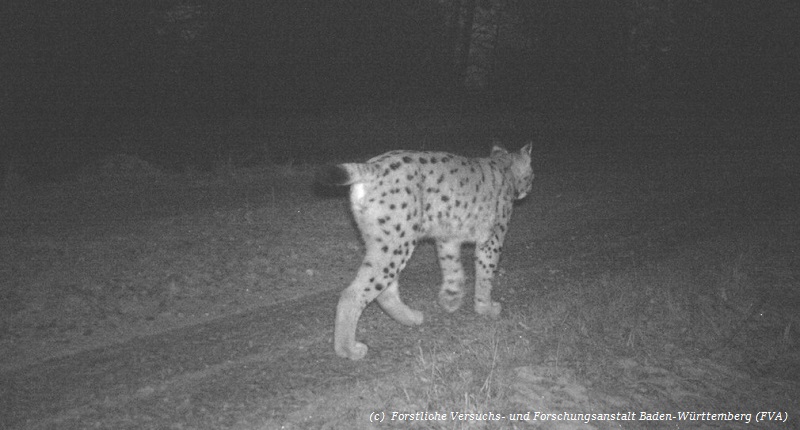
[526,150]
[498,150]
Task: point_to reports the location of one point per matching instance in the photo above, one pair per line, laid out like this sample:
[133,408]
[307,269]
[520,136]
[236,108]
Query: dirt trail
[151,378]
[261,361]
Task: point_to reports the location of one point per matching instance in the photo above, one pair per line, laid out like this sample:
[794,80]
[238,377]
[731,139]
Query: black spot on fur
[407,159]
[395,166]
[445,198]
[385,248]
[422,161]
[379,286]
[433,160]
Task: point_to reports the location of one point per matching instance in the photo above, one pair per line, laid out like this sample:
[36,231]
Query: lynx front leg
[377,277]
[487,255]
[452,292]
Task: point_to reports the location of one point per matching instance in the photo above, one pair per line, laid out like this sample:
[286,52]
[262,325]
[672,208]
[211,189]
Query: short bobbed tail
[334,175]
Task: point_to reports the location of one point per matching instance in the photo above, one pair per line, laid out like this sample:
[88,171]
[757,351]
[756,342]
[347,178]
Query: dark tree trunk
[466,39]
[453,42]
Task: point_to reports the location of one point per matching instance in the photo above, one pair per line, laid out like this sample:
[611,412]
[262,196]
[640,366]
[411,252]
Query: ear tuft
[526,150]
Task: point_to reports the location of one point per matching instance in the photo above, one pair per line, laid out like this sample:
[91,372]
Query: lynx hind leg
[377,278]
[351,303]
[392,304]
[487,255]
[451,294]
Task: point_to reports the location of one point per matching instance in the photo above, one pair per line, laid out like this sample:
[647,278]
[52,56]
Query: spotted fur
[401,197]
